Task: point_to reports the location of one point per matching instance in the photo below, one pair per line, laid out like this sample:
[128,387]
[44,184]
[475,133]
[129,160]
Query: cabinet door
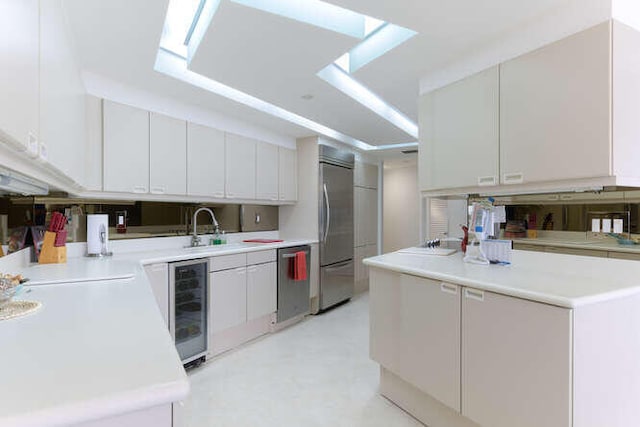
[19,79]
[516,361]
[365,215]
[168,155]
[430,334]
[228,298]
[459,133]
[554,121]
[126,148]
[365,175]
[385,314]
[288,174]
[262,290]
[240,163]
[266,171]
[205,161]
[158,275]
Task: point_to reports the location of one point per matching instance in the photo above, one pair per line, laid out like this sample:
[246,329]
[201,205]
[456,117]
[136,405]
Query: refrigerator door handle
[328,212]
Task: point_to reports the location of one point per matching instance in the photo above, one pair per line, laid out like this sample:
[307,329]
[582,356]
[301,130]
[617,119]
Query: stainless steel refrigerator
[336,226]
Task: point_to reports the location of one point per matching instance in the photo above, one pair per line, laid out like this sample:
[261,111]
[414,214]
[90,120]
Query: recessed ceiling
[276,59]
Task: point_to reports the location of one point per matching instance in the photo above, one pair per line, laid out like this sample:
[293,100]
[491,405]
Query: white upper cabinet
[365,175]
[240,161]
[266,171]
[19,72]
[287,175]
[459,133]
[555,110]
[167,155]
[205,161]
[126,148]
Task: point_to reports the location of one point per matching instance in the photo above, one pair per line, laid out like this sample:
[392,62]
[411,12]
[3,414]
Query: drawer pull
[449,289]
[486,180]
[513,178]
[474,294]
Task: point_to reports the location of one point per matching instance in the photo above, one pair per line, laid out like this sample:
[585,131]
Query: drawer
[261,257]
[225,262]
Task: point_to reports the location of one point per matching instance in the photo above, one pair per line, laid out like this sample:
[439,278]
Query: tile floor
[315,373]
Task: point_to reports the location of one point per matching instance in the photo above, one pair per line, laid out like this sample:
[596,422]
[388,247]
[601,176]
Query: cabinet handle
[140,189]
[252,269]
[513,178]
[486,180]
[241,270]
[218,194]
[157,190]
[230,195]
[448,288]
[474,294]
[566,197]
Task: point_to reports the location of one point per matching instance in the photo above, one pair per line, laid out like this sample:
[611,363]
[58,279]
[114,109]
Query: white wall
[627,12]
[400,217]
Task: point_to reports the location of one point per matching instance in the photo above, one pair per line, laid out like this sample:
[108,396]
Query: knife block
[51,254]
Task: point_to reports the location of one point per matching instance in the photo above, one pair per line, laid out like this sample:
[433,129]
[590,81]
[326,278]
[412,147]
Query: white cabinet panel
[262,290]
[126,148]
[158,275]
[19,72]
[168,155]
[240,162]
[365,175]
[554,121]
[459,133]
[516,361]
[288,174]
[205,161]
[365,214]
[430,333]
[385,318]
[228,298]
[266,171]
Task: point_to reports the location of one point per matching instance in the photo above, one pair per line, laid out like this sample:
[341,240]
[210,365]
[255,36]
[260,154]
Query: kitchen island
[551,340]
[98,352]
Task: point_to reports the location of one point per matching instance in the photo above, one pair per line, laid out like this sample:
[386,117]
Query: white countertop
[93,350]
[99,346]
[562,280]
[606,244]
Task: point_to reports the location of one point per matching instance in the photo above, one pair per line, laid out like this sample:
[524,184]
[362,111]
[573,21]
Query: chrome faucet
[195,240]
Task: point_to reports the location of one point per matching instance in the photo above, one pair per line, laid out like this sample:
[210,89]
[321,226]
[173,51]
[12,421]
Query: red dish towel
[300,266]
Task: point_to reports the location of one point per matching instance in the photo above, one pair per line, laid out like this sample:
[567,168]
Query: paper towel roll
[97,230]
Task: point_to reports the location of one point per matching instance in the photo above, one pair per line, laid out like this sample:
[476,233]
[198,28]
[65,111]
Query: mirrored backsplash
[141,219]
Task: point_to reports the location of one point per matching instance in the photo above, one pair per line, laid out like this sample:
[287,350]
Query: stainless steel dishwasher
[293,295]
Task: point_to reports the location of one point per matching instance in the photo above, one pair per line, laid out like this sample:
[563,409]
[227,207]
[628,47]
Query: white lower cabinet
[262,290]
[516,361]
[243,294]
[497,360]
[228,298]
[431,311]
[158,275]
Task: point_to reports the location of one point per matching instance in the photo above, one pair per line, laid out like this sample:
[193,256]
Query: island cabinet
[415,332]
[516,361]
[487,359]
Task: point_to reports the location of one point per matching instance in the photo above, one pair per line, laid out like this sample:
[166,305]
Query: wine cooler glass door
[188,305]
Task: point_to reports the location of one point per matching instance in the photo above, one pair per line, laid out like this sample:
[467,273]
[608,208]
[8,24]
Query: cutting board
[428,251]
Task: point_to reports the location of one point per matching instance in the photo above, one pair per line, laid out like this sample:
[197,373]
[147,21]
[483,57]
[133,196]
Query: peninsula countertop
[557,279]
[98,346]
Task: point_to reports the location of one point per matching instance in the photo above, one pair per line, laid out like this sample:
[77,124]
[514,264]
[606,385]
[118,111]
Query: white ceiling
[277,59]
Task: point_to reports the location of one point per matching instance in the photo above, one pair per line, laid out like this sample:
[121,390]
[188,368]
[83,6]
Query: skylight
[187,22]
[314,12]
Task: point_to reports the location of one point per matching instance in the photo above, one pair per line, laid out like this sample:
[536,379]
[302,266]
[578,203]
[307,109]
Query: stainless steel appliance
[293,295]
[188,296]
[336,226]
